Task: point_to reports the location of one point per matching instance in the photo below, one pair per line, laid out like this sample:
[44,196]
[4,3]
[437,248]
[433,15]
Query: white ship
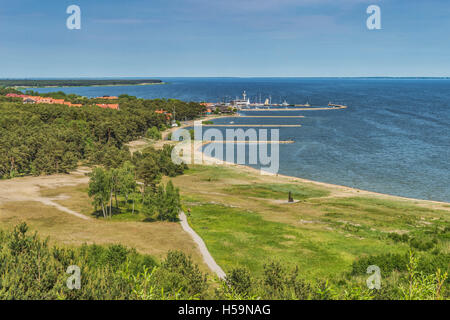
[241,103]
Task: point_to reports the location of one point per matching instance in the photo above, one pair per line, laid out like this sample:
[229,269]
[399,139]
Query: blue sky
[248,38]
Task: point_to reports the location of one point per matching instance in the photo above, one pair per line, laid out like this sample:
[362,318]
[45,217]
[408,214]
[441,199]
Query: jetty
[247,141]
[254,125]
[330,107]
[241,116]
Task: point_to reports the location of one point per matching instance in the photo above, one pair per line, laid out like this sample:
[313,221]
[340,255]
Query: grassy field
[275,191]
[245,220]
[80,202]
[155,238]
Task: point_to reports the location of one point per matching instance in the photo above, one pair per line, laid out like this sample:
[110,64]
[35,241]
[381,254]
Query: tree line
[46,139]
[74,83]
[137,181]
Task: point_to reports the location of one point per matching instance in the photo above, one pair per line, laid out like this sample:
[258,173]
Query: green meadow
[245,221]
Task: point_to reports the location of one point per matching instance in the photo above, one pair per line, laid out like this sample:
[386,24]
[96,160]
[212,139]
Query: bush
[399,237]
[179,272]
[31,269]
[423,245]
[240,280]
[164,205]
[387,263]
[153,133]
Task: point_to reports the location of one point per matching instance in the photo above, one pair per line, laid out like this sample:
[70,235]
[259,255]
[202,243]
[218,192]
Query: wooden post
[290,197]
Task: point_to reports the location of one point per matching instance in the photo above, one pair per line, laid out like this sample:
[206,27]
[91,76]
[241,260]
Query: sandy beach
[336,190]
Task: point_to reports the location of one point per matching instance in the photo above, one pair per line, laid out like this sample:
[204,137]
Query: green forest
[46,139]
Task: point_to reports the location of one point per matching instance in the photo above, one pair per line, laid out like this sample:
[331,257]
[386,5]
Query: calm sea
[394,138]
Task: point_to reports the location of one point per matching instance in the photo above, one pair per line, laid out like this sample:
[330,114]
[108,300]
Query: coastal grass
[276,191]
[243,238]
[244,222]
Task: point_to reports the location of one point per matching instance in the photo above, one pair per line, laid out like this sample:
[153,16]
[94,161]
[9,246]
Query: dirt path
[49,202]
[28,189]
[207,257]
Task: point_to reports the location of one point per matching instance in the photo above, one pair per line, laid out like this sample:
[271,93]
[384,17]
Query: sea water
[393,138]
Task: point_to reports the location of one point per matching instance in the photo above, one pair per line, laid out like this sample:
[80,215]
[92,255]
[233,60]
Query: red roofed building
[39,99]
[168,114]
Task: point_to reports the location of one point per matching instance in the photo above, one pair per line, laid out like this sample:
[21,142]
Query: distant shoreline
[93,85]
[69,83]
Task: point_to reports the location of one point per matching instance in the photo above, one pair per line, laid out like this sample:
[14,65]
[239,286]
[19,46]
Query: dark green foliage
[114,257]
[161,202]
[430,263]
[152,164]
[166,165]
[147,167]
[4,91]
[281,283]
[178,271]
[44,139]
[164,204]
[153,133]
[387,262]
[31,269]
[398,237]
[421,242]
[240,279]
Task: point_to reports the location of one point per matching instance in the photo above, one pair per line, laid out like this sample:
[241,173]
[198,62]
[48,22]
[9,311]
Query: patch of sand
[28,189]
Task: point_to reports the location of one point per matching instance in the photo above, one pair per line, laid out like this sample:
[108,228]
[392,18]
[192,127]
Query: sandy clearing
[28,189]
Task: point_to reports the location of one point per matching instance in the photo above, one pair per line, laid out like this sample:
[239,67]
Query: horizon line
[225,77]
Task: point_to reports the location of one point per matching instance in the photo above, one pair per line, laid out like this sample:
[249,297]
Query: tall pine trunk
[110,203]
[103,210]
